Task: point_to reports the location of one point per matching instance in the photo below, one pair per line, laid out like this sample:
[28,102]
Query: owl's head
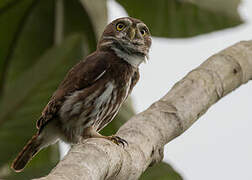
[130,39]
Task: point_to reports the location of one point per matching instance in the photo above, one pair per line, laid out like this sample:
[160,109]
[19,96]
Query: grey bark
[149,131]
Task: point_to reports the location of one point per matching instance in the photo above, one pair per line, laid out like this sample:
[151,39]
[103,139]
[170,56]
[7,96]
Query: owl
[93,91]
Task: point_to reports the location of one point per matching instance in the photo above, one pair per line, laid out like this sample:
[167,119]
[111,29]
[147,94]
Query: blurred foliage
[32,65]
[31,69]
[161,171]
[184,18]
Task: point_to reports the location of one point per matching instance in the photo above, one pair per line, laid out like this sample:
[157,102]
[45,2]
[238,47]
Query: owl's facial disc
[129,38]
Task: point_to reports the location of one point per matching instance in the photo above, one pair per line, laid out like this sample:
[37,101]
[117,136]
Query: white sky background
[218,146]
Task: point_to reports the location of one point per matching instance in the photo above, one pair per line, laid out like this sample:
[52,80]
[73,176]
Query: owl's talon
[117,140]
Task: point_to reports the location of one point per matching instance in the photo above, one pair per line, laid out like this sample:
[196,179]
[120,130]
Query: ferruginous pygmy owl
[93,90]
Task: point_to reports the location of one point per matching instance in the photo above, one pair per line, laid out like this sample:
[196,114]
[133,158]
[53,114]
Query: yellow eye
[143,32]
[120,26]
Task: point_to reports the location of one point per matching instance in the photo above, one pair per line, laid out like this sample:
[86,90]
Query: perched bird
[92,92]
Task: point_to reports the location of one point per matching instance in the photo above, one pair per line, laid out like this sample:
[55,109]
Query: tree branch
[149,131]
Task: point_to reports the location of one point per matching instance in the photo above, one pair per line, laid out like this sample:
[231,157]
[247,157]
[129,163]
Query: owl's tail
[31,148]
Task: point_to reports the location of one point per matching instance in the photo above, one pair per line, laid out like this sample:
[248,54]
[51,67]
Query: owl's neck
[128,52]
[133,59]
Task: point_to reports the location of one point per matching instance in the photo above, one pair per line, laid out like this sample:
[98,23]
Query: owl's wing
[81,76]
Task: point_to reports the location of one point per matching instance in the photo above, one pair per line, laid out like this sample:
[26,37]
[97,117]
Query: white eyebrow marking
[128,21]
[139,25]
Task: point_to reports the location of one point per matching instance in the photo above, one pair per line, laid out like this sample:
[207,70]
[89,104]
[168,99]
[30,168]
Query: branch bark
[149,131]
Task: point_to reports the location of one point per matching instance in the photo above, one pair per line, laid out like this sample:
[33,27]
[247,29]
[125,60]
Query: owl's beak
[132,33]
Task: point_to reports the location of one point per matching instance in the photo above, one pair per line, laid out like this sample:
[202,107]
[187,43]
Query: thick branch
[149,131]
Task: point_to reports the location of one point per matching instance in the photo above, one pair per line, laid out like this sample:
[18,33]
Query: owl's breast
[109,106]
[92,106]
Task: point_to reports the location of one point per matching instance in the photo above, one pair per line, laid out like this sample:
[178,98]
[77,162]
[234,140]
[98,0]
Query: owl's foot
[115,139]
[91,133]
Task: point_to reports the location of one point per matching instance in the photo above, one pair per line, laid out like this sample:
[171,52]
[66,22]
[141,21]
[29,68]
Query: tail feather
[31,148]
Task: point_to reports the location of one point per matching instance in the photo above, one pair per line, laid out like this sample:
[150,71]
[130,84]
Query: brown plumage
[93,90]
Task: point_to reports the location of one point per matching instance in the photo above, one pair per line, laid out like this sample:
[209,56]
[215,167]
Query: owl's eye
[120,26]
[143,32]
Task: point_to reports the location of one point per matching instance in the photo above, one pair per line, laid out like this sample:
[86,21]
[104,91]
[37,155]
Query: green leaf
[32,40]
[12,17]
[161,171]
[24,100]
[184,18]
[4,4]
[226,7]
[77,20]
